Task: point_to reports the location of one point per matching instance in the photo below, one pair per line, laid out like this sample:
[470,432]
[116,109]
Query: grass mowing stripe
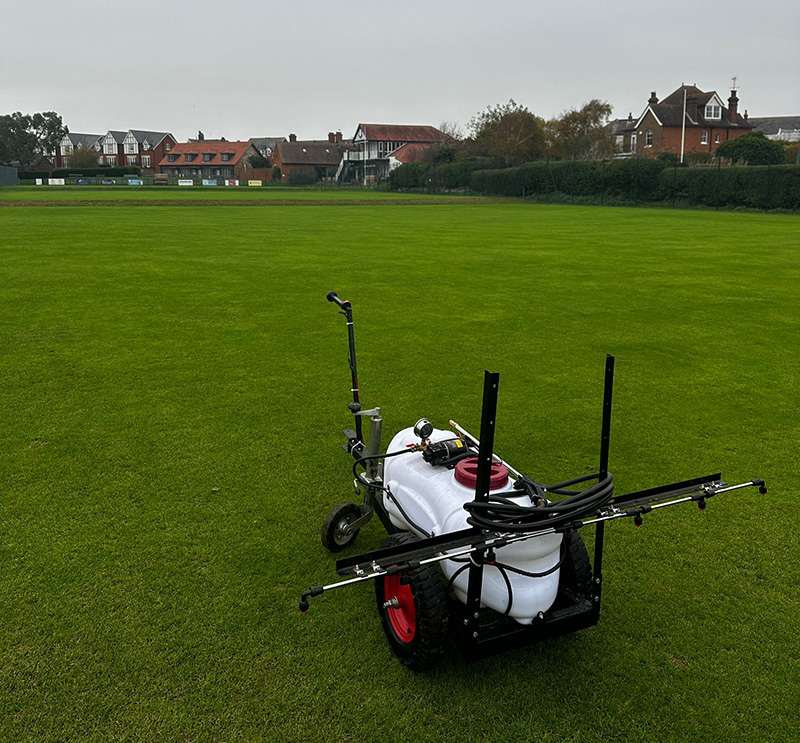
[174,383]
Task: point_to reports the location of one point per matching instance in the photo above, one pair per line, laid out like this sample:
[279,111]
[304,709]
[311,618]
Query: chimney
[331,137]
[338,136]
[653,98]
[292,137]
[733,107]
[630,117]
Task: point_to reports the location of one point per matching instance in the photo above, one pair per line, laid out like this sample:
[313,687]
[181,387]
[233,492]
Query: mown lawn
[267,195]
[174,385]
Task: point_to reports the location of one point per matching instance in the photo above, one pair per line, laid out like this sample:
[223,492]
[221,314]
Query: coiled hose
[499,513]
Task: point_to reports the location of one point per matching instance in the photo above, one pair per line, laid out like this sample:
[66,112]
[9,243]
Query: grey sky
[244,68]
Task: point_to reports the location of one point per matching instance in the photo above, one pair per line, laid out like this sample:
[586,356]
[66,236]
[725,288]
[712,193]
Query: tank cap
[467,474]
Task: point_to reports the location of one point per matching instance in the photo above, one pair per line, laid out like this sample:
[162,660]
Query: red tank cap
[467,474]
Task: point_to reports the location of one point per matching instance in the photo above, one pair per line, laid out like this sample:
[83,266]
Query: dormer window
[172,158]
[207,157]
[713,111]
[189,158]
[226,156]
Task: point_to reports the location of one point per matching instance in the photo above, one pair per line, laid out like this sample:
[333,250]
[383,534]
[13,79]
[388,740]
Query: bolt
[466,622]
[596,599]
[475,635]
[476,615]
[392,603]
[597,580]
[540,615]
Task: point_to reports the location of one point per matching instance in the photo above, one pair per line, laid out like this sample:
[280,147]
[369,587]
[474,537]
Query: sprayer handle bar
[343,303]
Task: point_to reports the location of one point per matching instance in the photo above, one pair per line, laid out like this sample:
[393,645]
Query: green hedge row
[645,179]
[447,176]
[84,172]
[633,178]
[755,186]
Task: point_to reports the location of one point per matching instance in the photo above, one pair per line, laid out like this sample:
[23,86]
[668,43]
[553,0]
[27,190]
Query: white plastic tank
[434,500]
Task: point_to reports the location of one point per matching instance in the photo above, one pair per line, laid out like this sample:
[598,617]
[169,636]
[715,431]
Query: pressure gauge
[423,428]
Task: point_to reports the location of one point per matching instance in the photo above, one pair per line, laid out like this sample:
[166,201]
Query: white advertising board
[185,182]
[56,181]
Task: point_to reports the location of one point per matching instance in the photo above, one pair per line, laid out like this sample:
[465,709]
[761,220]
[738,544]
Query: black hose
[498,514]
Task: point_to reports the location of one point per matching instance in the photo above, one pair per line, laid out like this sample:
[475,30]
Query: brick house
[70,142]
[144,149]
[210,158]
[374,144]
[307,160]
[707,123]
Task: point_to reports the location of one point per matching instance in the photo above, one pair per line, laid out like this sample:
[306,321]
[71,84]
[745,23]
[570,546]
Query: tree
[580,134]
[84,157]
[509,131]
[23,136]
[259,161]
[752,149]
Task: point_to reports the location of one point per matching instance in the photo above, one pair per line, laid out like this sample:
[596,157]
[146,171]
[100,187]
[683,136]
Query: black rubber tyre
[576,570]
[333,538]
[416,626]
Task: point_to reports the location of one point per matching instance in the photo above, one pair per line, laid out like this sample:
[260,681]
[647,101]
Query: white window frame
[704,136]
[111,161]
[145,161]
[131,161]
[713,111]
[110,145]
[648,138]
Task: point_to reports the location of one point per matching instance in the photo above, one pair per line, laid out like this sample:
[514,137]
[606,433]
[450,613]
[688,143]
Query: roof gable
[399,133]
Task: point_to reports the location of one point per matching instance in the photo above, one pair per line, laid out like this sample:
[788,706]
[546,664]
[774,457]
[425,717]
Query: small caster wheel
[335,536]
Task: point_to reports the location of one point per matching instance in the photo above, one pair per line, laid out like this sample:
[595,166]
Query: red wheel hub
[402,616]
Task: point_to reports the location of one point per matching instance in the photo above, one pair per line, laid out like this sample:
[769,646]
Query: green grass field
[145,195]
[174,386]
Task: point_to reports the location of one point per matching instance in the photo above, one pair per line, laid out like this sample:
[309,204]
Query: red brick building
[308,160]
[698,119]
[210,158]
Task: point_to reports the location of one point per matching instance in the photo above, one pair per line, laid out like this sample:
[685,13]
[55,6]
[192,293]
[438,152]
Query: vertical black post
[605,438]
[603,184]
[351,339]
[719,171]
[486,450]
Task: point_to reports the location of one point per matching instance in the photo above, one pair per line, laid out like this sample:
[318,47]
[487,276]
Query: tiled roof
[87,140]
[401,133]
[770,125]
[119,137]
[153,138]
[412,152]
[214,147]
[311,152]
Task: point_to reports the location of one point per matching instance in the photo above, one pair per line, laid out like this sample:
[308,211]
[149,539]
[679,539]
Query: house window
[189,157]
[111,161]
[226,156]
[172,158]
[207,157]
[713,112]
[110,146]
[145,161]
[648,138]
[716,139]
[704,137]
[167,147]
[633,143]
[132,160]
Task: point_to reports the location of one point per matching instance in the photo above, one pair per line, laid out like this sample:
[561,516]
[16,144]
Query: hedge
[754,186]
[632,178]
[443,176]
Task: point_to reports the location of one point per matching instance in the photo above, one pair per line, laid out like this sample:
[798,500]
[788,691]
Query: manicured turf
[173,389]
[155,194]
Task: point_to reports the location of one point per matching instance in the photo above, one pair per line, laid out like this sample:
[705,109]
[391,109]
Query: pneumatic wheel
[335,536]
[413,609]
[576,570]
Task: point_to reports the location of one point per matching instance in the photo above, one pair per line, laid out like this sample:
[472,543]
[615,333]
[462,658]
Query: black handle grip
[334,297]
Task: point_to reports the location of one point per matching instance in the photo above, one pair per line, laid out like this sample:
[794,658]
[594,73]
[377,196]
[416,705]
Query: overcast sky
[246,68]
